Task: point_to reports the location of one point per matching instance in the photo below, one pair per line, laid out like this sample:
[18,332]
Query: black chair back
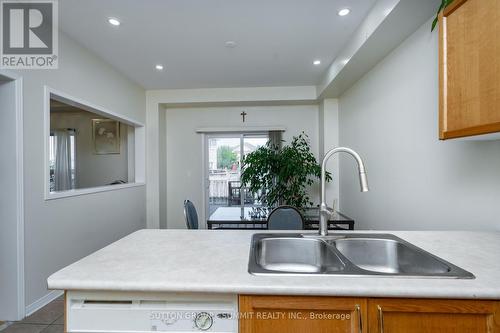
[191,215]
[285,218]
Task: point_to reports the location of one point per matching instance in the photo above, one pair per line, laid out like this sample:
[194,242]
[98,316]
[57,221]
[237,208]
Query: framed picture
[106,136]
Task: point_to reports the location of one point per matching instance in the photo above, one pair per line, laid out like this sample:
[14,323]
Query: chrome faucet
[324,211]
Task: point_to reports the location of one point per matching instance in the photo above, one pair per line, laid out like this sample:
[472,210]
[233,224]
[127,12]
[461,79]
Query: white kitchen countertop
[216,262]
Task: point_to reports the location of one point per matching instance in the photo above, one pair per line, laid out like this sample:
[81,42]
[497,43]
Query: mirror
[87,149]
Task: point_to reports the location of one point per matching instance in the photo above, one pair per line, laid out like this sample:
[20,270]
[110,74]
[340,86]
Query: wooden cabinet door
[433,316]
[469,68]
[301,314]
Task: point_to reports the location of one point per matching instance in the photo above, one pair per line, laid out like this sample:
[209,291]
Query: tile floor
[49,319]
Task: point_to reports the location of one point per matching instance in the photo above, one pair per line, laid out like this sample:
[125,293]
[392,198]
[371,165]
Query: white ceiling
[277,40]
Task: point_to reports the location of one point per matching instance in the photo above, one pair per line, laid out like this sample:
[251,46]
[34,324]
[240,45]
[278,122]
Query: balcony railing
[225,189]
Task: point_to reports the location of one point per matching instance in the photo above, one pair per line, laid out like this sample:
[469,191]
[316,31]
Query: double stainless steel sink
[346,254]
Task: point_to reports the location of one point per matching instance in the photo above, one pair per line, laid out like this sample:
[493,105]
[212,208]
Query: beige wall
[417,182]
[184,150]
[59,232]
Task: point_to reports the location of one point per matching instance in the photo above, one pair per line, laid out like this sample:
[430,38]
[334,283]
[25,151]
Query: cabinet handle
[380,318]
[360,318]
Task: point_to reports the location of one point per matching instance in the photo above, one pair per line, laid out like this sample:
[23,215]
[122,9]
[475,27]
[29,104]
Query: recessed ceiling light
[159,67]
[230,44]
[344,12]
[114,21]
[317,62]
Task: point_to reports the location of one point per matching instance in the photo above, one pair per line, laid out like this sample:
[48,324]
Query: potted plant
[281,175]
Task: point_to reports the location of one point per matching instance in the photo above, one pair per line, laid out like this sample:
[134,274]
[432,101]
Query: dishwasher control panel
[141,313]
[192,321]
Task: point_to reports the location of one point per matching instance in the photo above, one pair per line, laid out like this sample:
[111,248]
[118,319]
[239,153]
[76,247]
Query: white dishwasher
[113,312]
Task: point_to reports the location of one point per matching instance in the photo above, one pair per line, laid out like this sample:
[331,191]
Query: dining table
[248,217]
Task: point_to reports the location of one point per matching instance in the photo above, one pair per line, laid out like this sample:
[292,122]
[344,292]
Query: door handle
[380,319]
[360,318]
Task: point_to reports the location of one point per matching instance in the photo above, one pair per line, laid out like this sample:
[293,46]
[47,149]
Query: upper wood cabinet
[469,68]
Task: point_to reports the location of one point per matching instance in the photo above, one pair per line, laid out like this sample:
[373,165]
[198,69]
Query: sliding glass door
[225,153]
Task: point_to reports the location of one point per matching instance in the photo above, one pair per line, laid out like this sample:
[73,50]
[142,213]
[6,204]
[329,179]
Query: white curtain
[62,167]
[275,138]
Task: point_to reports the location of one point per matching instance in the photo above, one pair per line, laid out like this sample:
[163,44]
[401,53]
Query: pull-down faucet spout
[324,211]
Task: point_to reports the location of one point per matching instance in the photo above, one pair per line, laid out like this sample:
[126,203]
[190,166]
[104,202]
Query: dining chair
[285,218]
[190,215]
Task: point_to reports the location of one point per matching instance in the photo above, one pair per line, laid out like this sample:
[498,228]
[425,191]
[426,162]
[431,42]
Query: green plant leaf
[434,23]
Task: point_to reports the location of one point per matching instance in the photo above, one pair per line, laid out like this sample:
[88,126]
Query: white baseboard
[41,302]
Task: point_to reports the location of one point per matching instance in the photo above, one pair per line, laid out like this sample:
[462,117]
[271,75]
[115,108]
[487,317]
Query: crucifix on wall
[243,115]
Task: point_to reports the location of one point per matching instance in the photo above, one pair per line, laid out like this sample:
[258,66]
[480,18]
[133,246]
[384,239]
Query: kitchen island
[158,264]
